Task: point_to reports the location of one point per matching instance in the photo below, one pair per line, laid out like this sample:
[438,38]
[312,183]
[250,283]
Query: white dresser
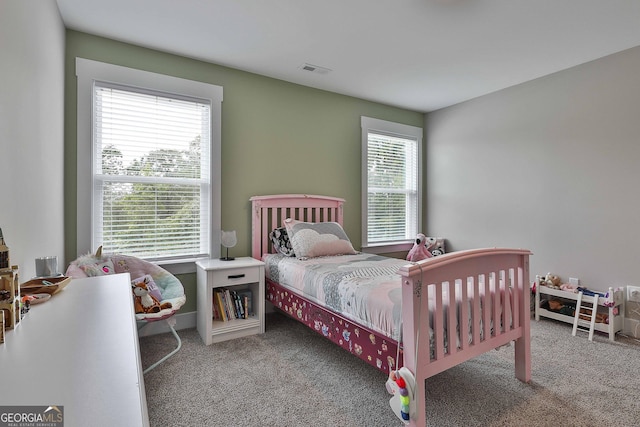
[79,350]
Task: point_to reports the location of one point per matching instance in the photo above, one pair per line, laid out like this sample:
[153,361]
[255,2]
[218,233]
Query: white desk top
[79,350]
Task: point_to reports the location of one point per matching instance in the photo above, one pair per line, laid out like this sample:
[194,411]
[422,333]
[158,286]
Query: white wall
[552,165]
[32,43]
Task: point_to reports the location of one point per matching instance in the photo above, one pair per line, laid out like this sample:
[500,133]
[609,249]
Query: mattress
[364,288]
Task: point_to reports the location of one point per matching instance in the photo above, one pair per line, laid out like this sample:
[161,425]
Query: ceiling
[417,54]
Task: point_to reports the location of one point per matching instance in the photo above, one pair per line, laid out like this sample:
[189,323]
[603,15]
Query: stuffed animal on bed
[420,249]
[551,281]
[143,301]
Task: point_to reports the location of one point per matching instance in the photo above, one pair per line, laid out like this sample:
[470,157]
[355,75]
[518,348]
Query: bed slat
[452,318]
[464,313]
[477,315]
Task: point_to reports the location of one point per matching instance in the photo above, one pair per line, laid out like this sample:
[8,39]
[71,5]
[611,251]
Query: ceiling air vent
[314,69]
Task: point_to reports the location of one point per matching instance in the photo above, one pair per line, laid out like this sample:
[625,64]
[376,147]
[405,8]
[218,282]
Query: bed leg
[523,344]
[523,360]
[420,418]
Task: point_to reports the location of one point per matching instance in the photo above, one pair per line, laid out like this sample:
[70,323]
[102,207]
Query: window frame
[89,71]
[398,130]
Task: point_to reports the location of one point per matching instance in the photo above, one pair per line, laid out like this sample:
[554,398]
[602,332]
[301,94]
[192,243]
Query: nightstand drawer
[233,276]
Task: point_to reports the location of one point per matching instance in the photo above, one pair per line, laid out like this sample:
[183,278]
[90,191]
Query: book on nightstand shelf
[214,308]
[246,298]
[220,305]
[231,310]
[230,304]
[238,305]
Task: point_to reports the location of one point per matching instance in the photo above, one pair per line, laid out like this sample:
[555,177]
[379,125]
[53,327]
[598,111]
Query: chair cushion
[171,289]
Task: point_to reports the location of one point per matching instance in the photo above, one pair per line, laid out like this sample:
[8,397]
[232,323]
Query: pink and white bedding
[364,288]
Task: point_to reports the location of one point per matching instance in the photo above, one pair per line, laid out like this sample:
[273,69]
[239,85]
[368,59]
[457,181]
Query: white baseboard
[183,321]
[632,327]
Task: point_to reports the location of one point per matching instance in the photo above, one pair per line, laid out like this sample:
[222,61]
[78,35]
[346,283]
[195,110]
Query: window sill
[182,266]
[388,248]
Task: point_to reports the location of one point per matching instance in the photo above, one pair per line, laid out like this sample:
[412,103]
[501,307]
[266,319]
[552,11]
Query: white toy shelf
[615,311]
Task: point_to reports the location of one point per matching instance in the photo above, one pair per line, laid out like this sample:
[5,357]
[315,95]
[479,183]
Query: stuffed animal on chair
[420,249]
[144,302]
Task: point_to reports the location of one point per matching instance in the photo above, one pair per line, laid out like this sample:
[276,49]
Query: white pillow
[313,239]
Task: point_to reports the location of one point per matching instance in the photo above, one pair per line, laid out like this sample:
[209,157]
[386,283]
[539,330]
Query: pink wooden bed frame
[421,280]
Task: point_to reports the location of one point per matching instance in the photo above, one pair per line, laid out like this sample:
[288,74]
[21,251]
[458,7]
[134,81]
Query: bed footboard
[490,290]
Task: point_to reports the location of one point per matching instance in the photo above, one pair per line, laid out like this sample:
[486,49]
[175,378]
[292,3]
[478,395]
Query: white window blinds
[391,174]
[393,188]
[151,177]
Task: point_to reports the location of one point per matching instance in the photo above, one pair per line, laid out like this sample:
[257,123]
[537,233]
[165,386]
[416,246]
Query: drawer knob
[235,276]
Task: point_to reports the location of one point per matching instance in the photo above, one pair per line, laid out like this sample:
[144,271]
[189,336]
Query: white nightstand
[238,275]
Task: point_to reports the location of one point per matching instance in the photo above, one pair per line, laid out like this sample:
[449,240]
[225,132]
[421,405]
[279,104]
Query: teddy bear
[551,281]
[143,301]
[420,249]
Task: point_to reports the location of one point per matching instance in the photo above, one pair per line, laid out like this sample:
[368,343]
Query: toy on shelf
[4,253]
[562,301]
[550,281]
[10,304]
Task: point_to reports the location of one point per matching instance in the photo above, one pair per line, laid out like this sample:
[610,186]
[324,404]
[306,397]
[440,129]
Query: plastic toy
[401,384]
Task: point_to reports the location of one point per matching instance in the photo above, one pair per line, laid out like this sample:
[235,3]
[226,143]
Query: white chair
[169,287]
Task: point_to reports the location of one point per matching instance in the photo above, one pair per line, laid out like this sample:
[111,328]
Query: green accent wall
[277,137]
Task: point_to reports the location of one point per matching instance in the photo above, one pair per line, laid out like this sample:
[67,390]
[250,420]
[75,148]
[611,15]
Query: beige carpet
[290,376]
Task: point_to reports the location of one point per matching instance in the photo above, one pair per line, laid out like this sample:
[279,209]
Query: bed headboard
[269,212]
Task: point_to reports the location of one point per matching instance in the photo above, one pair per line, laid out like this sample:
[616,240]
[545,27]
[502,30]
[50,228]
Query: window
[152,146]
[151,175]
[391,198]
